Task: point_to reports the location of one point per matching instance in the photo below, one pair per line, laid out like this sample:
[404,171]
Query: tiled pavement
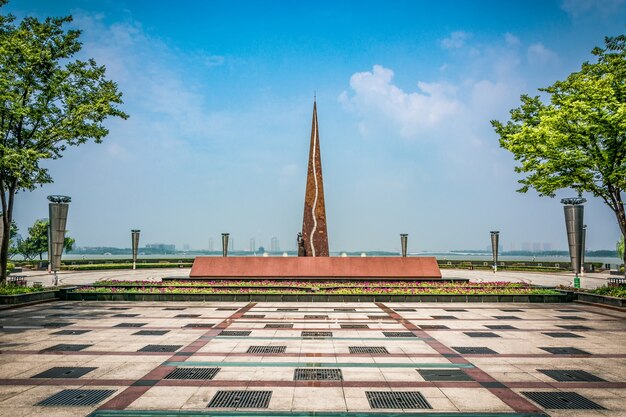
[445,359]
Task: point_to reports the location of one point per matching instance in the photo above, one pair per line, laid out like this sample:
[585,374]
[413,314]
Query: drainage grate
[570,318]
[564,351]
[227,309]
[76,397]
[345,309]
[562,401]
[62,372]
[474,350]
[125,315]
[444,317]
[314,316]
[567,375]
[500,327]
[399,334]
[193,373]
[317,374]
[187,316]
[368,349]
[573,327]
[119,308]
[200,325]
[433,327]
[175,308]
[287,309]
[66,348]
[481,334]
[506,318]
[511,310]
[266,349]
[404,309]
[235,333]
[56,324]
[71,332]
[130,325]
[354,326]
[568,310]
[444,375]
[406,400]
[378,317]
[241,399]
[63,315]
[316,334]
[455,309]
[253,316]
[279,326]
[160,348]
[561,334]
[150,332]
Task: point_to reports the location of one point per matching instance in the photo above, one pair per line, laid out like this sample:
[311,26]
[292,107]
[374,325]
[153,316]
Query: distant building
[536,246]
[211,245]
[274,246]
[526,246]
[547,246]
[252,247]
[186,247]
[161,247]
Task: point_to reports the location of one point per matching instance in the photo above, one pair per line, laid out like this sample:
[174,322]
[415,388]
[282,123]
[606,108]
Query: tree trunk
[7,216]
[621,221]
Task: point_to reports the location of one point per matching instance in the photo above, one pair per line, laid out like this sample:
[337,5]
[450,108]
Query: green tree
[37,241]
[620,247]
[578,139]
[48,101]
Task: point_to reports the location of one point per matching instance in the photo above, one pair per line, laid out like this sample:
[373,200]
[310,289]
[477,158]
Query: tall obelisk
[314,234]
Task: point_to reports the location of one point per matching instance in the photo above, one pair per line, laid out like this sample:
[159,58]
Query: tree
[578,139]
[620,247]
[37,241]
[47,102]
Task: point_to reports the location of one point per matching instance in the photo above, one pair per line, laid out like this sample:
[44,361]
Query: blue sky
[220,99]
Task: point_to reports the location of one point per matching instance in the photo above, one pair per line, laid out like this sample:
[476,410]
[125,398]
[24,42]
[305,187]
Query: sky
[220,97]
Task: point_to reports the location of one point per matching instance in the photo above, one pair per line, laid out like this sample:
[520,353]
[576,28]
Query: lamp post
[57,209]
[134,236]
[403,243]
[495,238]
[584,249]
[225,244]
[574,211]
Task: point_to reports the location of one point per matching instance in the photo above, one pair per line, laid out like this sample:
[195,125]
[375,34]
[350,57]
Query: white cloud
[455,40]
[577,8]
[511,40]
[377,99]
[538,54]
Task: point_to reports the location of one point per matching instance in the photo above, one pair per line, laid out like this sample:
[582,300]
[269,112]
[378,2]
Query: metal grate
[506,318]
[76,397]
[130,325]
[63,372]
[57,324]
[175,308]
[150,332]
[316,334]
[119,308]
[317,374]
[287,309]
[406,400]
[455,309]
[444,375]
[568,310]
[125,315]
[71,332]
[368,349]
[561,334]
[354,326]
[66,348]
[562,401]
[511,310]
[444,317]
[573,327]
[266,349]
[378,317]
[193,373]
[187,316]
[500,327]
[253,316]
[433,327]
[235,333]
[481,334]
[241,399]
[227,309]
[63,315]
[474,350]
[567,375]
[345,309]
[404,309]
[200,325]
[279,326]
[315,316]
[564,351]
[160,348]
[570,318]
[399,334]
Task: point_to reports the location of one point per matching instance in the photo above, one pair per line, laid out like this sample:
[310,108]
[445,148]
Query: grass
[14,290]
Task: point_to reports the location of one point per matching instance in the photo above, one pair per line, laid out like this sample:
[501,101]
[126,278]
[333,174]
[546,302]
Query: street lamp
[584,249]
[134,235]
[495,238]
[574,211]
[57,212]
[225,244]
[403,243]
